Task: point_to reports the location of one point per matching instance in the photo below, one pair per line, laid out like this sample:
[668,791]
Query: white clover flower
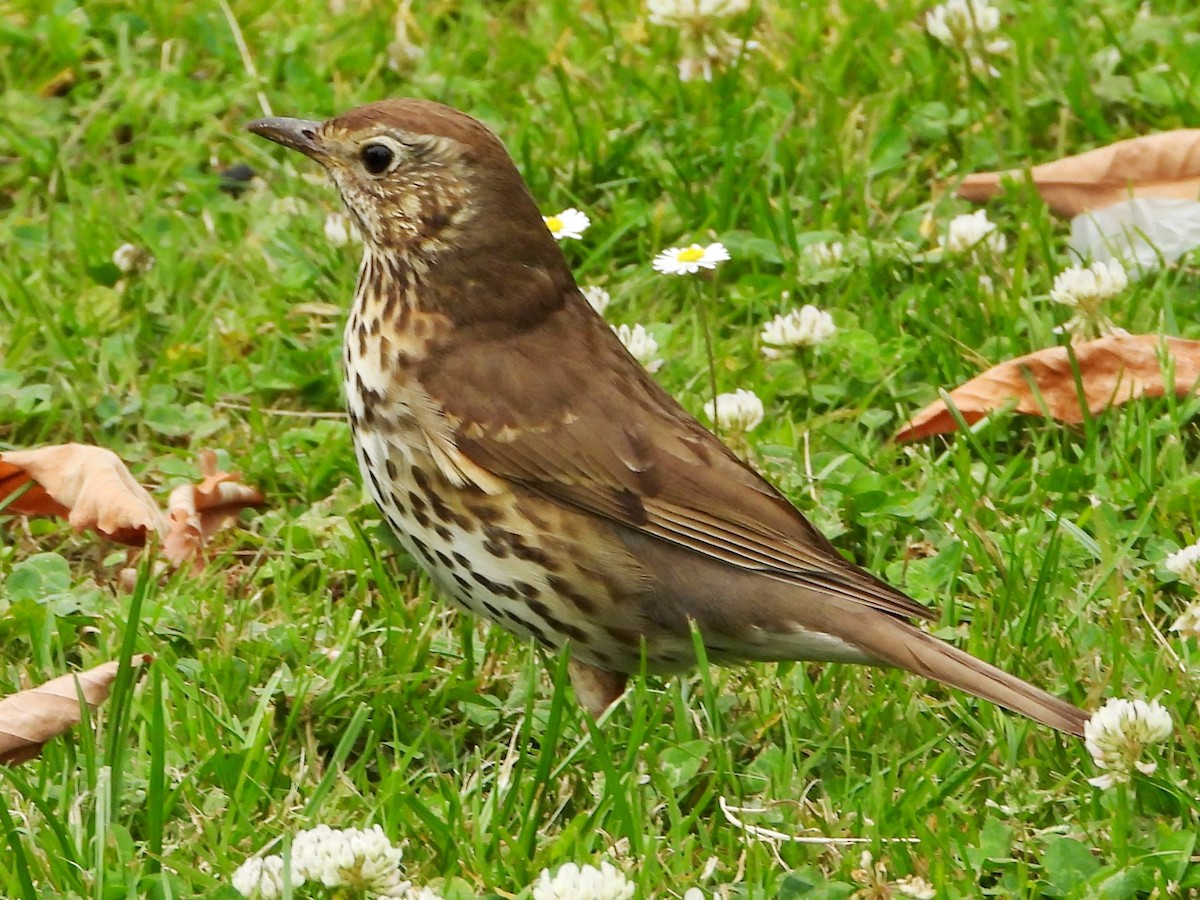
[679,13]
[740,411]
[340,230]
[690,260]
[972,232]
[641,344]
[1188,622]
[960,23]
[803,327]
[572,882]
[1085,288]
[422,893]
[363,859]
[570,223]
[715,50]
[823,255]
[696,894]
[262,877]
[915,886]
[598,297]
[1184,562]
[1118,733]
[130,259]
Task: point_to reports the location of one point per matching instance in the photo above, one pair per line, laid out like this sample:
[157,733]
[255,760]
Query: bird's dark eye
[376,158]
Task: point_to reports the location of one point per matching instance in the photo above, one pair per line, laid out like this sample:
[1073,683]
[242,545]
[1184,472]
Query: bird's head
[419,178]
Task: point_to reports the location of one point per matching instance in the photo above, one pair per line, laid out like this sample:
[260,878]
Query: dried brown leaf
[29,719]
[1157,165]
[1112,369]
[196,511]
[89,486]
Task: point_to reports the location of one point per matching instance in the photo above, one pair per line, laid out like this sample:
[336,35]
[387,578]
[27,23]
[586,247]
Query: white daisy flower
[739,411]
[1189,622]
[340,230]
[823,255]
[1118,733]
[641,345]
[972,232]
[573,882]
[690,260]
[1185,562]
[803,327]
[130,259]
[598,297]
[262,877]
[570,223]
[363,859]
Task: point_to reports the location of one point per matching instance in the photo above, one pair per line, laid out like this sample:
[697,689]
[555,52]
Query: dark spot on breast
[391,470]
[525,589]
[420,547]
[421,516]
[623,635]
[379,491]
[497,550]
[463,584]
[493,610]
[466,523]
[421,480]
[534,555]
[563,588]
[443,559]
[461,560]
[443,532]
[417,502]
[483,510]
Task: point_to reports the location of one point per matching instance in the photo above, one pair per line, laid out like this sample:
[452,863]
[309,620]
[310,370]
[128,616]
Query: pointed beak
[296,134]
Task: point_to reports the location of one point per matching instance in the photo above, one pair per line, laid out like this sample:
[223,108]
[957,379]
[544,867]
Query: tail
[910,648]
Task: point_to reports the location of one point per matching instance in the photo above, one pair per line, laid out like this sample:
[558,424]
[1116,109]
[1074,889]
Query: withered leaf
[29,719]
[196,511]
[1112,370]
[89,486]
[1157,165]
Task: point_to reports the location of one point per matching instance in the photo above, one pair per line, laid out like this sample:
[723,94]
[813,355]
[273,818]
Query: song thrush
[536,471]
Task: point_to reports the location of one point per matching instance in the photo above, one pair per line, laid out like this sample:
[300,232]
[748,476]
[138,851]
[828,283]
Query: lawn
[307,673]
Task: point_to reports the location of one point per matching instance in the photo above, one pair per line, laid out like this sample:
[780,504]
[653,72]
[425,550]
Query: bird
[538,473]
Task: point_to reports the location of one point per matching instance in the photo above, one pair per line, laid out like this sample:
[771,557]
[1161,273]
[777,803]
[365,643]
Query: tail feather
[910,648]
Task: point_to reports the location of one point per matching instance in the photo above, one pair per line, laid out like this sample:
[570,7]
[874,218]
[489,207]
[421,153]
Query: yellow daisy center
[691,254]
[554,223]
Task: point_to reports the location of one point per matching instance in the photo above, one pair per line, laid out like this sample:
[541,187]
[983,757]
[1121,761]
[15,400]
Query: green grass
[308,675]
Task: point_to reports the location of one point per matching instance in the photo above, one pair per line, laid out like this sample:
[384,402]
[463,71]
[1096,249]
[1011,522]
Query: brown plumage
[539,474]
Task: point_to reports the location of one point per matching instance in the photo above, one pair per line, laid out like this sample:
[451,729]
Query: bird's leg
[595,689]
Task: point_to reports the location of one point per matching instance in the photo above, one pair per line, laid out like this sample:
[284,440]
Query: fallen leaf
[197,511]
[1112,369]
[89,486]
[29,719]
[1157,165]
